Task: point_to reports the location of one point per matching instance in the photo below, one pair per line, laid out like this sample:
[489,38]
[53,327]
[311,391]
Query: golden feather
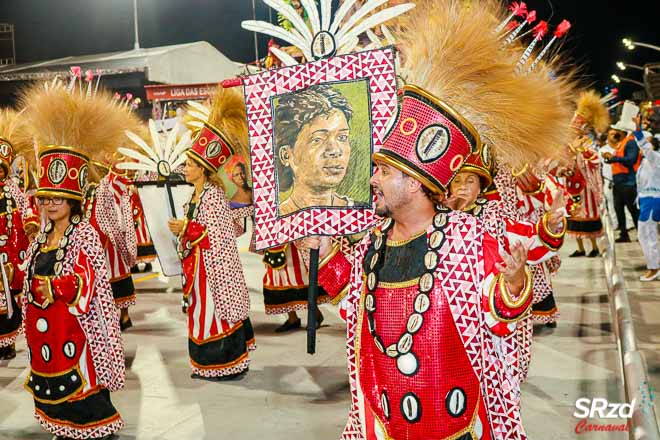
[452,51]
[94,124]
[594,112]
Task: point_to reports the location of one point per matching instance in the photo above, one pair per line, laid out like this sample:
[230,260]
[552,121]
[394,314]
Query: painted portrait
[322,143]
[313,128]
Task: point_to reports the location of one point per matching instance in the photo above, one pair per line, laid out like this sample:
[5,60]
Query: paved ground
[291,395]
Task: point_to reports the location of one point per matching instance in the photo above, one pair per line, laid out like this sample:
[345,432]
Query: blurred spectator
[648,186]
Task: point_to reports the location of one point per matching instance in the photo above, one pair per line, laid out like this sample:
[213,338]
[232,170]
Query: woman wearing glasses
[71,325]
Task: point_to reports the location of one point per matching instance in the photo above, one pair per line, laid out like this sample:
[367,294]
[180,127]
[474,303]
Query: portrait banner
[313,128]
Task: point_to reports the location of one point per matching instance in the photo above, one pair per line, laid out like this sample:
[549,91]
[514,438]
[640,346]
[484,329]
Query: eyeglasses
[55,201]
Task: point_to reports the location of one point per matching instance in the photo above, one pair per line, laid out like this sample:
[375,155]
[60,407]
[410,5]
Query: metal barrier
[643,425]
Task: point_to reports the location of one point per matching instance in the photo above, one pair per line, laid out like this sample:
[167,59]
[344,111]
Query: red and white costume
[145,247]
[108,209]
[71,324]
[220,334]
[584,185]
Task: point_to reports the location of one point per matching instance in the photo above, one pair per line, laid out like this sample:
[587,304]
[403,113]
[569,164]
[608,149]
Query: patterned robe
[220,334]
[13,245]
[109,211]
[466,384]
[75,348]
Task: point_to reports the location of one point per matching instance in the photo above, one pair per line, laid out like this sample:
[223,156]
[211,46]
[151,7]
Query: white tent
[197,62]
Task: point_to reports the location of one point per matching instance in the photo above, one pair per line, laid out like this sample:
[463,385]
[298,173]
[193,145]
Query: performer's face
[389,186]
[238,176]
[319,158]
[57,209]
[192,171]
[466,185]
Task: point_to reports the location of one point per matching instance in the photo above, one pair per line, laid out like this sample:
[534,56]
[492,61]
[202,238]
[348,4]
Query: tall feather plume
[592,109]
[13,129]
[227,114]
[454,52]
[94,124]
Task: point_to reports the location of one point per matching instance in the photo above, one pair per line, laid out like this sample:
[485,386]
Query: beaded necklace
[406,360]
[64,242]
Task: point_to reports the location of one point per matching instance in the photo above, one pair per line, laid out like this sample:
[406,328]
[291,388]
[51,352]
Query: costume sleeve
[17,246]
[542,243]
[335,269]
[194,234]
[653,157]
[501,308]
[238,216]
[76,289]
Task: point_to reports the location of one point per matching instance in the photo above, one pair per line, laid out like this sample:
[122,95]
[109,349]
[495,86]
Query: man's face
[466,185]
[389,186]
[613,137]
[320,156]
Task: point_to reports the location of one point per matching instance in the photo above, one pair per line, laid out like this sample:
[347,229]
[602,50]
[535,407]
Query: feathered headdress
[592,111]
[13,136]
[455,53]
[224,123]
[93,123]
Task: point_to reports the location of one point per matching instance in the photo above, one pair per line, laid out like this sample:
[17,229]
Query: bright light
[620,65]
[628,43]
[616,79]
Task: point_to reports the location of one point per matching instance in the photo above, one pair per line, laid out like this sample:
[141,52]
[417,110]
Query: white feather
[284,57]
[178,162]
[350,46]
[137,156]
[388,35]
[184,143]
[359,14]
[201,108]
[277,32]
[170,143]
[339,16]
[137,140]
[290,14]
[375,20]
[155,138]
[326,7]
[196,124]
[313,14]
[199,116]
[375,41]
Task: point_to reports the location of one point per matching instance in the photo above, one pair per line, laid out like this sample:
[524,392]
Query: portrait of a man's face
[321,136]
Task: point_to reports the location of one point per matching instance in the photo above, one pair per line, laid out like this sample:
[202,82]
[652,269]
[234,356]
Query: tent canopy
[197,62]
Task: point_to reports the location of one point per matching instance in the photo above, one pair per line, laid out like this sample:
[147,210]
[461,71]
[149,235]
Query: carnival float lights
[618,79]
[631,45]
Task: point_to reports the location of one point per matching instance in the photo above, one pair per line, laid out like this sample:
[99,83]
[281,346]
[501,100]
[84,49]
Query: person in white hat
[625,163]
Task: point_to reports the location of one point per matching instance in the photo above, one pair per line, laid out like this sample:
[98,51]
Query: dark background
[47,29]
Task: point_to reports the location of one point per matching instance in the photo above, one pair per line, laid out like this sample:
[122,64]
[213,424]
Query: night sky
[48,29]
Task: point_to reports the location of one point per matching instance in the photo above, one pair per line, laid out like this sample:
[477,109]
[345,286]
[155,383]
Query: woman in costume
[16,223]
[215,295]
[71,324]
[107,207]
[583,177]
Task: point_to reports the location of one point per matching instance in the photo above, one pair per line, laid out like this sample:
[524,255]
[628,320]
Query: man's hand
[456,203]
[512,267]
[175,226]
[323,244]
[556,212]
